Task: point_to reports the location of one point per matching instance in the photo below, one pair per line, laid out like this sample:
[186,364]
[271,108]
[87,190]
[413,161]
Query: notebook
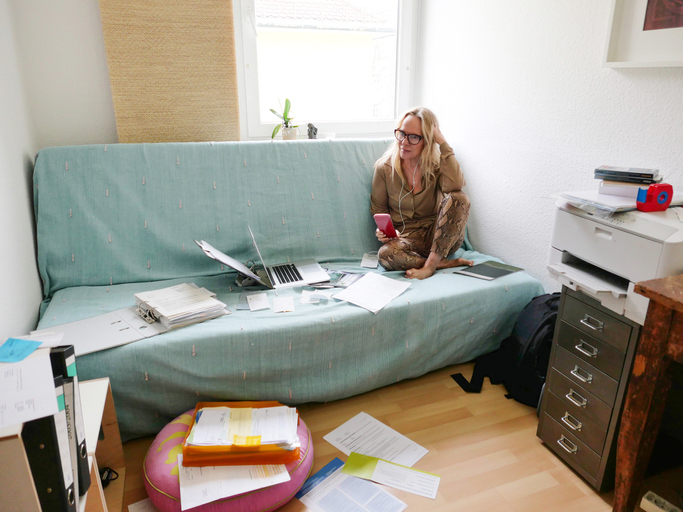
[488,270]
[298,273]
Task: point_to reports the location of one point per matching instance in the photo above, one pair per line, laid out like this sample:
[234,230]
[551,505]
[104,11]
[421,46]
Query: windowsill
[339,130]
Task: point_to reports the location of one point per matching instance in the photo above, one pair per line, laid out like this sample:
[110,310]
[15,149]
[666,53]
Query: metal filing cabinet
[590,361]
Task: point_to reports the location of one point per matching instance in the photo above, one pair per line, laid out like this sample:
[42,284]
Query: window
[344,64]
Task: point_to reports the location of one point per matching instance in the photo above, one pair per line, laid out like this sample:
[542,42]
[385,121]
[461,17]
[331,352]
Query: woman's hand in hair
[438,136]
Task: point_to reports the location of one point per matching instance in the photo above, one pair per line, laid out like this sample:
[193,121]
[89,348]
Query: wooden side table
[661,344]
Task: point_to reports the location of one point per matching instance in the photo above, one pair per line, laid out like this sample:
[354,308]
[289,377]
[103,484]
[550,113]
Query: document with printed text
[201,485]
[27,389]
[365,435]
[330,490]
[392,474]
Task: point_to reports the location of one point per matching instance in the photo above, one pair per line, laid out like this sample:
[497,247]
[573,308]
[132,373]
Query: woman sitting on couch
[419,183]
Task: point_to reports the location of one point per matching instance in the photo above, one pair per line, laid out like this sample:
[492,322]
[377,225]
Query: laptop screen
[217,255]
[257,250]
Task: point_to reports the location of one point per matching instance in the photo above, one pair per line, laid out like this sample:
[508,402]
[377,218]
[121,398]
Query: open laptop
[298,273]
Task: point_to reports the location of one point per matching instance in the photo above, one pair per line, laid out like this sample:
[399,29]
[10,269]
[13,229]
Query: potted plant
[288,130]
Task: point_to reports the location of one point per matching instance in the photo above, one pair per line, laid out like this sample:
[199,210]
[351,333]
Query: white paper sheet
[406,479]
[330,490]
[242,303]
[258,301]
[277,425]
[213,427]
[202,485]
[365,435]
[373,291]
[145,505]
[369,260]
[315,296]
[283,304]
[27,389]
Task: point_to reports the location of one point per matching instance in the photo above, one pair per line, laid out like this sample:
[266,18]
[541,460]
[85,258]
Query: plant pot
[288,133]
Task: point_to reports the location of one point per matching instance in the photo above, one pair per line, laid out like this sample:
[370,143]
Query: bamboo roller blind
[172,69]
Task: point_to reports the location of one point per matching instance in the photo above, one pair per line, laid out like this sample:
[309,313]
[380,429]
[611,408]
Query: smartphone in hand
[383,221]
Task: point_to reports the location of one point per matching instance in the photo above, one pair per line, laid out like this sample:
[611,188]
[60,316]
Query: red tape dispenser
[655,198]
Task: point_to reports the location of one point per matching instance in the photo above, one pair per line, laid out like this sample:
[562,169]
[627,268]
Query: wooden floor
[483,446]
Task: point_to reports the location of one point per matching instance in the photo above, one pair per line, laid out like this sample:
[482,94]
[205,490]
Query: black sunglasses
[413,139]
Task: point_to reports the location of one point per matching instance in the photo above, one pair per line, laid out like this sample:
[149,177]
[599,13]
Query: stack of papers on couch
[180,305]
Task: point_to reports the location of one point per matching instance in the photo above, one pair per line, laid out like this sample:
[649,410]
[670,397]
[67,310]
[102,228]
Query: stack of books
[625,181]
[180,305]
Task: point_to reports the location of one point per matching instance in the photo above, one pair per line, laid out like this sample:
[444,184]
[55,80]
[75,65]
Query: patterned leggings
[444,237]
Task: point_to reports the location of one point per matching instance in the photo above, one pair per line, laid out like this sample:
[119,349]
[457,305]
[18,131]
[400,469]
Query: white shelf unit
[17,492]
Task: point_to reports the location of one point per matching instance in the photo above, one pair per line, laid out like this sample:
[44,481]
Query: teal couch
[113,220]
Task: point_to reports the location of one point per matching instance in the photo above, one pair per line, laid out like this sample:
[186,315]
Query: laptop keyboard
[287,273]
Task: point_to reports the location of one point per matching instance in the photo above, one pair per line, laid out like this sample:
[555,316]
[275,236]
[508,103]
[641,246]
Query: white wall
[20,290]
[66,79]
[522,96]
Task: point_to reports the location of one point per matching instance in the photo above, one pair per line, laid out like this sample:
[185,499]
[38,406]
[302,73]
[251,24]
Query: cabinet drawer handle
[592,323]
[576,399]
[576,372]
[567,445]
[571,422]
[586,349]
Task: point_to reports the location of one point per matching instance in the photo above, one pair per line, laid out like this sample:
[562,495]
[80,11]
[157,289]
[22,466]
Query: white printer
[604,256]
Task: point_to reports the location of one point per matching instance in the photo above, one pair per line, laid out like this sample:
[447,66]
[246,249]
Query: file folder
[63,361]
[113,329]
[71,432]
[47,448]
[135,323]
[196,456]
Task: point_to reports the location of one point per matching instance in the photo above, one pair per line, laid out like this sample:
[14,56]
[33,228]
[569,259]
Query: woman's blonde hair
[431,155]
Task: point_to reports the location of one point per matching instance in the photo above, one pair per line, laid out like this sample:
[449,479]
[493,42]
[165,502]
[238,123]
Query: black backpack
[521,362]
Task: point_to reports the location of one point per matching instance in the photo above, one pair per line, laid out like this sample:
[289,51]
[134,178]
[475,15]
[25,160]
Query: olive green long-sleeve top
[418,211]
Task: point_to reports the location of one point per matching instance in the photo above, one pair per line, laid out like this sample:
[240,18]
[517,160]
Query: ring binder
[146,314]
[47,449]
[173,307]
[63,361]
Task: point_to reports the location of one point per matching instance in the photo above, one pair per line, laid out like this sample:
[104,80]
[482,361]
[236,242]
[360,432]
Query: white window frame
[247,76]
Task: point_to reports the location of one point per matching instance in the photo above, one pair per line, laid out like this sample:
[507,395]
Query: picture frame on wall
[645,33]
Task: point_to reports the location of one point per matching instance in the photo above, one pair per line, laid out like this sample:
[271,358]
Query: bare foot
[420,273]
[427,271]
[458,262]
